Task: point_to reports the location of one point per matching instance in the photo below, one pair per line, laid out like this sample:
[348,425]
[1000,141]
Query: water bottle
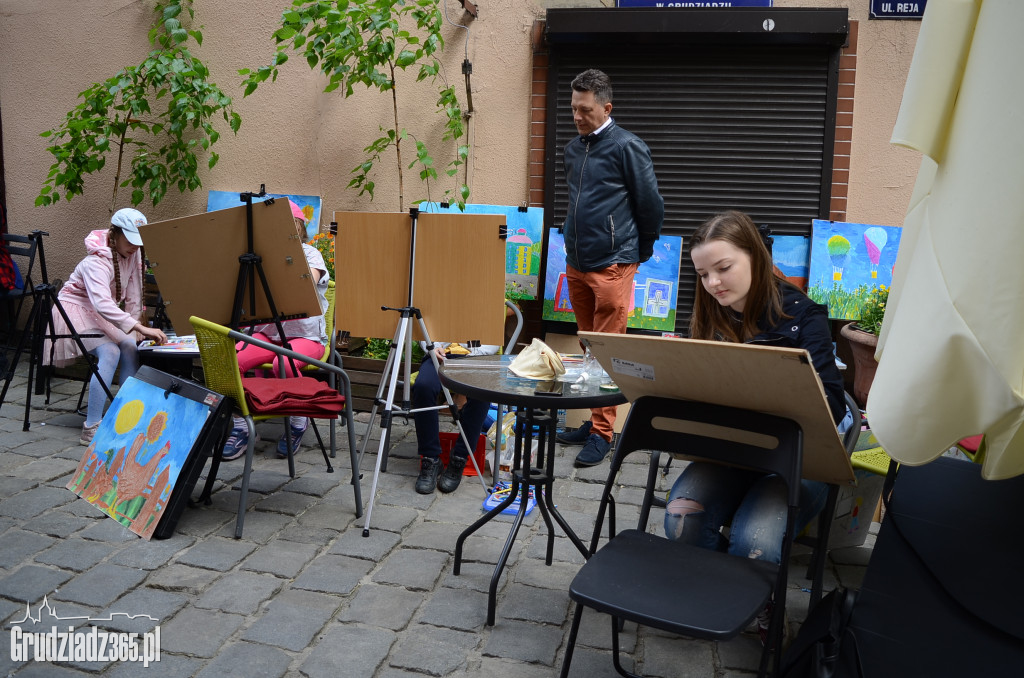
[561,421]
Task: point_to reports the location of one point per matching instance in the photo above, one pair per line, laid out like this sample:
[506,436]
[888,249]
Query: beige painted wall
[297,139]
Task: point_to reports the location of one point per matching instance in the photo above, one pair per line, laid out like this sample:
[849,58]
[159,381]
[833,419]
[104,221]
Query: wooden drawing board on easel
[779,381]
[459,272]
[195,262]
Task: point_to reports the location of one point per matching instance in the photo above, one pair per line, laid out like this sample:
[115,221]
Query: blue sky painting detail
[310,205]
[522,247]
[848,260]
[655,288]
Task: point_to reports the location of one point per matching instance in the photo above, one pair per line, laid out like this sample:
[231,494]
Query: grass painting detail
[133,463]
[655,287]
[849,260]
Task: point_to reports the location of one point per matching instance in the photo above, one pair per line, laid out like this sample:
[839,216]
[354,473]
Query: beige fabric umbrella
[951,351]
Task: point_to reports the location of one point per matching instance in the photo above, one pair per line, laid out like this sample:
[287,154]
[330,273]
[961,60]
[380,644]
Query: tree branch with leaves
[367,42]
[158,139]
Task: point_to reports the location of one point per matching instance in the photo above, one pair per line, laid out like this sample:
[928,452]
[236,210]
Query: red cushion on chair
[971,444]
[295,396]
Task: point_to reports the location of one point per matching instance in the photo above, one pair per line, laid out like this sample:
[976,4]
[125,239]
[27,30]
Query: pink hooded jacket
[91,287]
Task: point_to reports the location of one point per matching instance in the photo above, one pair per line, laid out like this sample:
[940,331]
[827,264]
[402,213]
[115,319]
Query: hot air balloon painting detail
[838,251]
[875,239]
[848,260]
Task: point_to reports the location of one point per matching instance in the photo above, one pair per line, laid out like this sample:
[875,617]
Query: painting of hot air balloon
[848,260]
[309,204]
[875,239]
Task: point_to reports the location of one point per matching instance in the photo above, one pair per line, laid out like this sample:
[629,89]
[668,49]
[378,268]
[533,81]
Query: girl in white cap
[103,297]
[307,336]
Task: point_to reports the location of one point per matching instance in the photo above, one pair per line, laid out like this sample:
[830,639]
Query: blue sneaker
[576,437]
[236,445]
[594,452]
[296,433]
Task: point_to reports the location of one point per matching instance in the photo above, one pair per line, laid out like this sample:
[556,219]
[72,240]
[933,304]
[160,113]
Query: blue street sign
[892,9]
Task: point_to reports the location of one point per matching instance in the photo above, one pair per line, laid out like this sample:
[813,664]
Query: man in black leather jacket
[614,216]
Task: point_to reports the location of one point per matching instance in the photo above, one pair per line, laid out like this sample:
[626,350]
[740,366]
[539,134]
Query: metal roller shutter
[730,126]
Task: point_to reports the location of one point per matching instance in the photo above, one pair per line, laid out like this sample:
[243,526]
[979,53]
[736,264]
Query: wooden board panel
[195,262]
[779,381]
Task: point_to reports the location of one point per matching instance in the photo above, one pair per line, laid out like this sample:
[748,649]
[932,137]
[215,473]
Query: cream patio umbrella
[951,351]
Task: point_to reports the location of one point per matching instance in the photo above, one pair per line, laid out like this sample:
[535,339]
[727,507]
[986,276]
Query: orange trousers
[601,301]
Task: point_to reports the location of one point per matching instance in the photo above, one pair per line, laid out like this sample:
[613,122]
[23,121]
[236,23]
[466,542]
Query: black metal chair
[673,586]
[22,249]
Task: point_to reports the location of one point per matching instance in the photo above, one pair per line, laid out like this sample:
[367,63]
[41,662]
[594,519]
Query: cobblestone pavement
[303,593]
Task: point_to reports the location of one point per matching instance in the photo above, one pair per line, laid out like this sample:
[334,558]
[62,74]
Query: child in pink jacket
[103,297]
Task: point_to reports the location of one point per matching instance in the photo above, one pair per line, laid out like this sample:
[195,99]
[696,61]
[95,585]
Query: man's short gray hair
[598,82]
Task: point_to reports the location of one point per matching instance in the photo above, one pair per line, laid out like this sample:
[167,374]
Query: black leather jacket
[615,211]
[808,328]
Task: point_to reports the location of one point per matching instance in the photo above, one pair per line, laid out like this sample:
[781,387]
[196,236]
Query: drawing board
[459,274]
[779,381]
[195,262]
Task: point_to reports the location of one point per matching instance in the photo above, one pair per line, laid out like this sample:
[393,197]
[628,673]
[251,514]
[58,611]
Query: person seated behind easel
[103,297]
[307,336]
[473,413]
[740,299]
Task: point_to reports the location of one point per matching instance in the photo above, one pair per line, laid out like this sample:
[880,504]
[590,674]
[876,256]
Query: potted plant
[863,338]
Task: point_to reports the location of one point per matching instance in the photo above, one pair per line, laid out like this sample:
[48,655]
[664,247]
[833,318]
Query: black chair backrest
[853,433]
[727,435]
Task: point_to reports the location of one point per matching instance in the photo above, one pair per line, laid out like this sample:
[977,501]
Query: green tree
[366,42]
[119,113]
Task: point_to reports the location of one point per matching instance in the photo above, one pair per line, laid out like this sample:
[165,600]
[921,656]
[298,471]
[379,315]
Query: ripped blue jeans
[707,496]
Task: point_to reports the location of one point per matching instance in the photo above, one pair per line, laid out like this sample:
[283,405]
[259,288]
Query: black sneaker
[452,476]
[430,469]
[594,452]
[577,437]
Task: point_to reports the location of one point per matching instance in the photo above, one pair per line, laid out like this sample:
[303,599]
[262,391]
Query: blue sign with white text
[891,9]
[694,3]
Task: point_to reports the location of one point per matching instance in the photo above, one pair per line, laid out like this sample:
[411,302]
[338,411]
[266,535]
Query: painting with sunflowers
[137,454]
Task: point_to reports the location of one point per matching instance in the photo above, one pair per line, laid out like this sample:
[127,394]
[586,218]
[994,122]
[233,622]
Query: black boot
[452,476]
[430,468]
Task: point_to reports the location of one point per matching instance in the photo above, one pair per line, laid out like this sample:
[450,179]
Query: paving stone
[205,520]
[528,603]
[259,527]
[590,663]
[199,633]
[556,576]
[19,545]
[75,554]
[475,576]
[40,448]
[487,550]
[333,574]
[31,582]
[58,523]
[108,530]
[131,613]
[416,569]
[348,651]
[434,651]
[536,643]
[239,592]
[47,469]
[247,660]
[595,631]
[292,619]
[169,666]
[742,652]
[682,657]
[317,484]
[10,485]
[217,554]
[564,550]
[152,554]
[280,558]
[506,668]
[31,503]
[47,670]
[455,608]
[101,585]
[331,516]
[288,503]
[374,547]
[388,607]
[390,518]
[175,577]
[306,535]
[431,535]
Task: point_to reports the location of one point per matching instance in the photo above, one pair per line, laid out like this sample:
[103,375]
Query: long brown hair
[115,233]
[713,321]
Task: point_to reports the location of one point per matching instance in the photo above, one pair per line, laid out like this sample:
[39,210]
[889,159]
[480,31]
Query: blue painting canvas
[309,204]
[523,245]
[136,456]
[848,260]
[791,254]
[655,287]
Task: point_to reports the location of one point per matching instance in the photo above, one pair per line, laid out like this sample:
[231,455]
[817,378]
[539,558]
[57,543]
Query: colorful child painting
[655,287]
[847,261]
[133,462]
[522,245]
[791,254]
[309,204]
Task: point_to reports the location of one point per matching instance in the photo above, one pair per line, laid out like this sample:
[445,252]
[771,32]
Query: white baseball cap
[129,220]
